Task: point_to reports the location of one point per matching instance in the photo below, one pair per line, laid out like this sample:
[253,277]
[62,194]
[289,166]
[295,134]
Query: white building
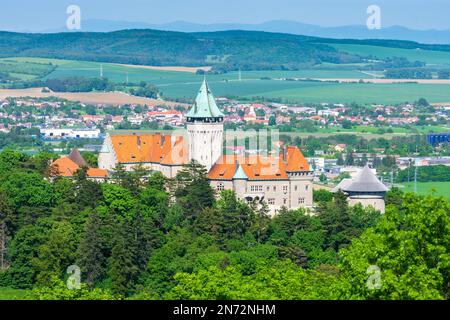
[69,133]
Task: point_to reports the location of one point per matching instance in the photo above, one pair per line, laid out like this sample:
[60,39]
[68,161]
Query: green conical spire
[205,106]
[239,173]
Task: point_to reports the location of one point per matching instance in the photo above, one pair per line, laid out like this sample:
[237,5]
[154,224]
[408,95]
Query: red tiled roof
[260,167]
[97,173]
[65,167]
[154,148]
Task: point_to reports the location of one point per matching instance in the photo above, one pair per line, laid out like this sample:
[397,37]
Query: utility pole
[392,179]
[409,168]
[415,178]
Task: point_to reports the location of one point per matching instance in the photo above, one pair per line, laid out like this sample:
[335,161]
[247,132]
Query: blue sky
[46,14]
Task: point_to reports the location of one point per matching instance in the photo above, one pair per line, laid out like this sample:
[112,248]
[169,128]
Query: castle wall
[291,194]
[376,202]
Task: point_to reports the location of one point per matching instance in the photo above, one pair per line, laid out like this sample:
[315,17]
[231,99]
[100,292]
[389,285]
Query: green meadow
[317,92]
[424,188]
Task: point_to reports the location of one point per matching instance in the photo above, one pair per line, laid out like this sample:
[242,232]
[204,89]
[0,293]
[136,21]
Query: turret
[205,128]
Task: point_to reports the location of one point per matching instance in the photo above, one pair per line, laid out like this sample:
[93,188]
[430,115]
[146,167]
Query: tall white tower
[205,128]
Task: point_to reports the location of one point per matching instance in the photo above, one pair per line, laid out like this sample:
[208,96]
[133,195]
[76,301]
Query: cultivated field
[323,83]
[173,68]
[110,98]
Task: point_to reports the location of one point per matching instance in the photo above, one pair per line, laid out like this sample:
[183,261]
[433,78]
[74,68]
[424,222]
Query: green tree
[410,246]
[56,253]
[123,268]
[336,221]
[56,289]
[192,189]
[22,250]
[91,251]
[322,195]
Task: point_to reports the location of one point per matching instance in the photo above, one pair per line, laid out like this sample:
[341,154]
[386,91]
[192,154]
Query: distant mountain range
[281,26]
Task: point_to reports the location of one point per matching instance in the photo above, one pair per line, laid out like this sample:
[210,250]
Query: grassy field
[317,92]
[174,84]
[12,294]
[437,188]
[428,56]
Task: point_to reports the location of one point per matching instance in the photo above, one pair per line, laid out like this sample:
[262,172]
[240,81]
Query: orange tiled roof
[157,148]
[97,173]
[295,160]
[258,167]
[65,167]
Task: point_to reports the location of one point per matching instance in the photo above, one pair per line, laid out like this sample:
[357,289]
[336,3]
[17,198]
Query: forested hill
[248,50]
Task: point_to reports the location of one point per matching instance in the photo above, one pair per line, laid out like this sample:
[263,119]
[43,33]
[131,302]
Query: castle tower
[240,181]
[365,189]
[205,128]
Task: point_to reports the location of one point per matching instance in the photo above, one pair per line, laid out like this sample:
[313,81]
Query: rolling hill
[232,49]
[227,50]
[280,26]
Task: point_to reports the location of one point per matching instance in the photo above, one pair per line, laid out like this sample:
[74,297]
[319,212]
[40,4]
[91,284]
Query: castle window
[268,188]
[284,201]
[295,188]
[285,189]
[220,187]
[301,200]
[306,187]
[274,188]
[271,201]
[256,188]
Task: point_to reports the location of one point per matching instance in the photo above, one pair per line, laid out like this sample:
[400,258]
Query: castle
[280,180]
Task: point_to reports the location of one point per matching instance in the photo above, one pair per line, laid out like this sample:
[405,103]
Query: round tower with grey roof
[365,189]
[205,128]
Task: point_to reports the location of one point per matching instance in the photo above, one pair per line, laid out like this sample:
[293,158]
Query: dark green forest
[148,237]
[245,49]
[226,50]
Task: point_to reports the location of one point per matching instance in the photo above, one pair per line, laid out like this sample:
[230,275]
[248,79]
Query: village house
[67,166]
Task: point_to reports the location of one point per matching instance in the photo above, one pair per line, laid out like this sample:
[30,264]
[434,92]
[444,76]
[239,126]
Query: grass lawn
[423,188]
[12,294]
